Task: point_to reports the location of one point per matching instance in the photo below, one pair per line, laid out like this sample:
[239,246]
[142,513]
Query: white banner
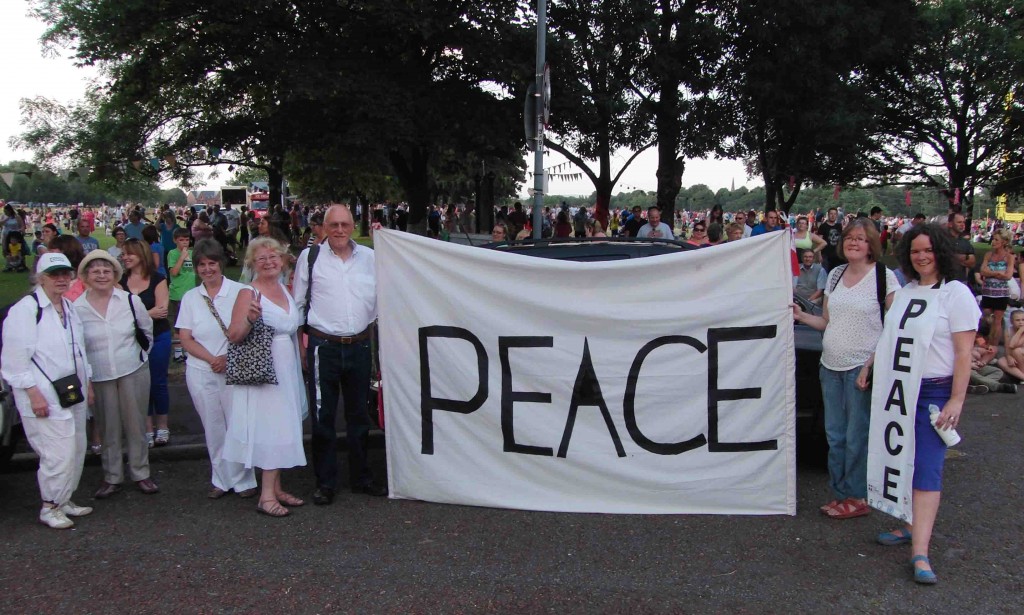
[655,385]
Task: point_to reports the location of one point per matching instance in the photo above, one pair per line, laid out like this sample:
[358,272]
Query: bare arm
[963,341]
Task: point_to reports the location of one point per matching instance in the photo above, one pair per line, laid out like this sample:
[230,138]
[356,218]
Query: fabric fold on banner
[655,385]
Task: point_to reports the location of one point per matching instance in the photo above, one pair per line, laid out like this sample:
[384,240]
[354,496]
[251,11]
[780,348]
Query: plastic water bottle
[949,436]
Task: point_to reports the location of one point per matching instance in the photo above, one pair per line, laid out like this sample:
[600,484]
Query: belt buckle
[345,339]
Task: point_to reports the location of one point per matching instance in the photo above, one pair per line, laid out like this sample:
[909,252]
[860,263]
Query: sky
[31,74]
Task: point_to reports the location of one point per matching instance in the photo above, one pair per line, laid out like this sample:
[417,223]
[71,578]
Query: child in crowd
[1012,363]
[183,279]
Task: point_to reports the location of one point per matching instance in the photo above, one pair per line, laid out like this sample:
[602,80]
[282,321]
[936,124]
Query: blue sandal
[891,539]
[924,577]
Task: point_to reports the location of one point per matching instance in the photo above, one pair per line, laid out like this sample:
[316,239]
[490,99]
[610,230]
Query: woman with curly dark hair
[928,260]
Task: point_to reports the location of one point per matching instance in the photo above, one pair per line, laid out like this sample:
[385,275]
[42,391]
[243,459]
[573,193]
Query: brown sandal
[849,508]
[289,500]
[273,508]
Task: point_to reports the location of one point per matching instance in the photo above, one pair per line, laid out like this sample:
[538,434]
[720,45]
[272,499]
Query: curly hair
[942,248]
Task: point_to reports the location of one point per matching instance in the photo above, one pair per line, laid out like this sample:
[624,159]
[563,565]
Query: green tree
[797,80]
[954,111]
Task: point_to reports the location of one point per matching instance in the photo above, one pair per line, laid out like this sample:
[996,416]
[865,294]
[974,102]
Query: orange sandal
[849,508]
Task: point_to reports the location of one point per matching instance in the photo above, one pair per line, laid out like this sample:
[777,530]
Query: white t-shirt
[855,323]
[958,311]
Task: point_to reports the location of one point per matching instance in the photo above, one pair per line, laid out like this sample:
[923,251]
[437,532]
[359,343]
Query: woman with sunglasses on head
[42,342]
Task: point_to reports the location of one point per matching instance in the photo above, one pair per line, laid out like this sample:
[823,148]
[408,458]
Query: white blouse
[110,340]
[50,343]
[194,315]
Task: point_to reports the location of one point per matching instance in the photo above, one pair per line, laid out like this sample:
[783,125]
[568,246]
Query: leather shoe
[106,490]
[147,486]
[370,489]
[323,496]
[246,493]
[216,493]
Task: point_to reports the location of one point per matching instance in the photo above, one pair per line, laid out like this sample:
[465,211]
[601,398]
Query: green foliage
[956,112]
[796,78]
[33,184]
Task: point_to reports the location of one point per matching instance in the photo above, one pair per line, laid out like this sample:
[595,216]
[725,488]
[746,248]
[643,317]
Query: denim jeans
[159,363]
[847,417]
[339,369]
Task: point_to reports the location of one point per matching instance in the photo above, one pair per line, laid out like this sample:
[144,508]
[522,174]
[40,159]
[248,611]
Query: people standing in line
[122,378]
[204,340]
[996,271]
[928,259]
[42,342]
[852,321]
[265,427]
[142,279]
[340,305]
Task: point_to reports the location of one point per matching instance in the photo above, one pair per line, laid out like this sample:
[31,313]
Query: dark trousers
[339,368]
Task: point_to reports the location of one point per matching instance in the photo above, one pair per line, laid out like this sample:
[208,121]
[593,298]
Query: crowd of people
[100,324]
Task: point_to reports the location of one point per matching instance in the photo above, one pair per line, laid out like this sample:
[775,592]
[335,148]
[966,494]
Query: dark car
[809,408]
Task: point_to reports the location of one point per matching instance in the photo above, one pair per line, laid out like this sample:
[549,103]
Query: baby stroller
[15,252]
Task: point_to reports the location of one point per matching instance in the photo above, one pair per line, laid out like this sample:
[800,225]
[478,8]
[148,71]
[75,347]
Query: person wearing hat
[42,343]
[117,326]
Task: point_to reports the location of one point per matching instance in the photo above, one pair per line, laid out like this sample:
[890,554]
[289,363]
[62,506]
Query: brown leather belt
[340,339]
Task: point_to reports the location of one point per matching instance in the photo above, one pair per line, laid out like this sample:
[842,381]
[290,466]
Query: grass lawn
[14,286]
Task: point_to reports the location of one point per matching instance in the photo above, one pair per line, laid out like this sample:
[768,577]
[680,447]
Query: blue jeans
[159,362]
[339,369]
[847,417]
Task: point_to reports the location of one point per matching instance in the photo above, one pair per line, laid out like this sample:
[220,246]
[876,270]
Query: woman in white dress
[265,430]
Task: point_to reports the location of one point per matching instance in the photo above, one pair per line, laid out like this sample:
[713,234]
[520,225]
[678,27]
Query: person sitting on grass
[1012,363]
[985,377]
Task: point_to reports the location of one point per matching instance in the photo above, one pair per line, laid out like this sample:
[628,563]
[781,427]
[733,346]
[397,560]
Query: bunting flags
[906,198]
[171,160]
[835,193]
[8,179]
[956,196]
[137,164]
[155,163]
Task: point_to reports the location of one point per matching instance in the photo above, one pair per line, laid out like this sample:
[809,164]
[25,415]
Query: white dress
[266,420]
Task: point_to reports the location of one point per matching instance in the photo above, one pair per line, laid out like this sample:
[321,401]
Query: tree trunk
[275,177]
[412,170]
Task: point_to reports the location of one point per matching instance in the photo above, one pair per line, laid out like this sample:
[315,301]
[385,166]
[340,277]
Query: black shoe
[323,496]
[370,489]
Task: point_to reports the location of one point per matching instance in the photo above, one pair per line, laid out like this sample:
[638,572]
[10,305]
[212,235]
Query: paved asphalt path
[179,552]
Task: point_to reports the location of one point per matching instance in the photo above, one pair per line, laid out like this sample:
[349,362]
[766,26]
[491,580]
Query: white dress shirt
[195,316]
[344,299]
[110,340]
[49,342]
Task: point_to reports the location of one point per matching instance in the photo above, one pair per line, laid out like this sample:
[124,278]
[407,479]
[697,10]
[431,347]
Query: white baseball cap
[52,262]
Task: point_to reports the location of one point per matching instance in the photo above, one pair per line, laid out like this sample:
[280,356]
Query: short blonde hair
[1003,234]
[262,243]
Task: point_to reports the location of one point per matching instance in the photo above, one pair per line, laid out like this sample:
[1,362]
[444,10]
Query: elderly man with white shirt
[337,293]
[43,347]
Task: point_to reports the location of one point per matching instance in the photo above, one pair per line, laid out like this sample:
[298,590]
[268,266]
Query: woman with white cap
[117,326]
[45,363]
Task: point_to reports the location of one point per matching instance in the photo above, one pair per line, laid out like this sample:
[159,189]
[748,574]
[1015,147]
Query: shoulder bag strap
[67,316]
[880,287]
[314,252]
[213,310]
[842,270]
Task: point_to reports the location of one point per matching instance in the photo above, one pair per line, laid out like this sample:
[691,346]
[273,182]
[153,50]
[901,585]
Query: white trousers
[212,400]
[60,445]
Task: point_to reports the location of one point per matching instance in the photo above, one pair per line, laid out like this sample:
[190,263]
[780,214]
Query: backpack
[879,286]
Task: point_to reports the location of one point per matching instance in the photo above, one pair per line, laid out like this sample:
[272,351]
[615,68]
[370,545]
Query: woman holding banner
[856,297]
[929,335]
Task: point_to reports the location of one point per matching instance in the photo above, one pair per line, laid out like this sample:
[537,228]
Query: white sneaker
[55,518]
[71,510]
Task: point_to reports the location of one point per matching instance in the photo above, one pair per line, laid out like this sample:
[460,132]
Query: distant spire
[733,189]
